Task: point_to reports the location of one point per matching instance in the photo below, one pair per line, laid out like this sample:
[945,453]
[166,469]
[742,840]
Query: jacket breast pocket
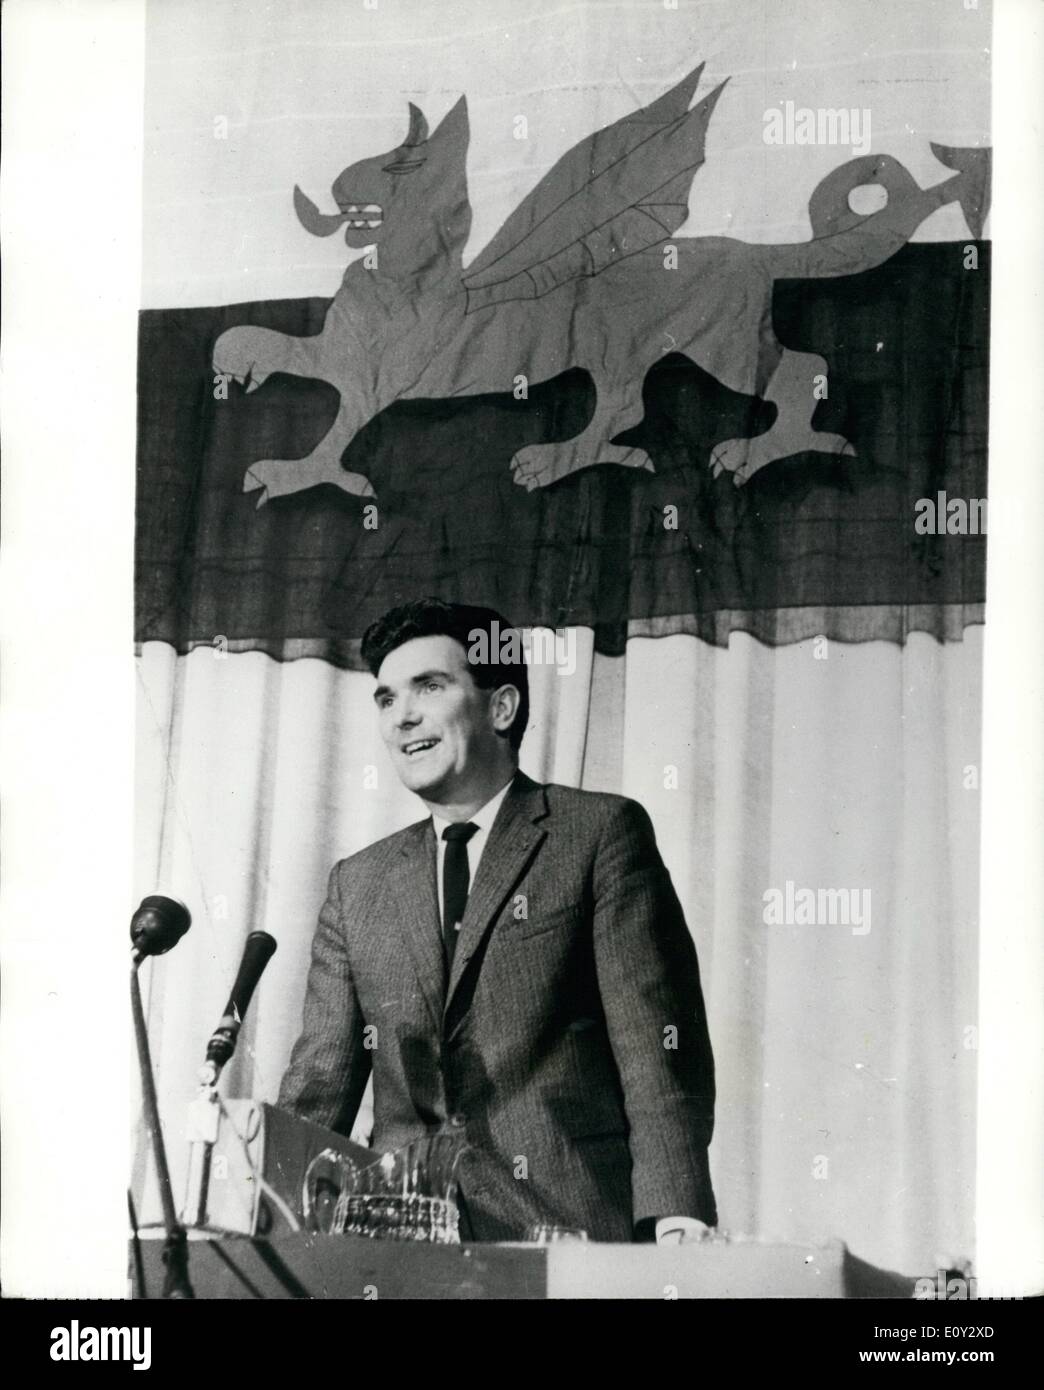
[561,920]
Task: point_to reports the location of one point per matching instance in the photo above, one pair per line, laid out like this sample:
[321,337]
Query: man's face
[436,722]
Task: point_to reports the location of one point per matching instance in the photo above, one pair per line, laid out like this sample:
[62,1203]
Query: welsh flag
[650,318]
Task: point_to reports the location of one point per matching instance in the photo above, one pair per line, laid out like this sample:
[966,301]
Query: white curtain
[845,1057]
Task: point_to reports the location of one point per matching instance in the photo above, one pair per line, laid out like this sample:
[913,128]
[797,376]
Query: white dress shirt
[483,818]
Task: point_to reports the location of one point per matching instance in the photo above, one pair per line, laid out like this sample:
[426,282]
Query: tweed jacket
[569,1043]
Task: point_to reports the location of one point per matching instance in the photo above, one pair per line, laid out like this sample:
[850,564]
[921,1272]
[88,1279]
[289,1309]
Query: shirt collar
[483,817]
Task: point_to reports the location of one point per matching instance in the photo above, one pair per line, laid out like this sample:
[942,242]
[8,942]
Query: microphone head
[261,944]
[158,924]
[257,952]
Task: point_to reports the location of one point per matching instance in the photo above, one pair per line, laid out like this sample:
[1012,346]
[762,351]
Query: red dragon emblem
[582,274]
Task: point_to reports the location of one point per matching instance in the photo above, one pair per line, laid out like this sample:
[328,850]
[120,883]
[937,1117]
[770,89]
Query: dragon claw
[539,465]
[745,457]
[252,483]
[280,477]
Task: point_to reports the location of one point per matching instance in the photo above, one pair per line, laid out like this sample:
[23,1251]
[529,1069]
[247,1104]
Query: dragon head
[418,179]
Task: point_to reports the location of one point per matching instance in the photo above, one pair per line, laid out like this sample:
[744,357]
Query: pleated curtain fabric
[845,1051]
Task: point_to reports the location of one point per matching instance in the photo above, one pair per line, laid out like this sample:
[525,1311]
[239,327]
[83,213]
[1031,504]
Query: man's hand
[682,1230]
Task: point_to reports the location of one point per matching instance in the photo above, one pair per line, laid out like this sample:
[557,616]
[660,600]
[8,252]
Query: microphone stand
[204,1111]
[203,1117]
[175,1247]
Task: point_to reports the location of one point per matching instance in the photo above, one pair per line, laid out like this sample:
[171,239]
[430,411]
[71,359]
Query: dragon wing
[617,192]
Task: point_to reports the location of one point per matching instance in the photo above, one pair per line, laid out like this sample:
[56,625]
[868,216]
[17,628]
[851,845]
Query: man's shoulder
[594,809]
[377,857]
[600,829]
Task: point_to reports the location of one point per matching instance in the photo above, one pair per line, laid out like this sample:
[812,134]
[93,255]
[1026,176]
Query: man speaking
[521,963]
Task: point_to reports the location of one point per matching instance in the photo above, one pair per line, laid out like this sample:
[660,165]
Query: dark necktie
[455,882]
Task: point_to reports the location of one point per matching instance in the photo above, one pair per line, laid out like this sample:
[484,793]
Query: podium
[240,1248]
[302,1265]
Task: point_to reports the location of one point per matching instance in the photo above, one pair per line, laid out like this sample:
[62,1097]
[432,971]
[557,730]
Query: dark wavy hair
[433,617]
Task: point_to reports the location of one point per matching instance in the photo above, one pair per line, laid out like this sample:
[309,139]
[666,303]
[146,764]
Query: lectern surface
[344,1267]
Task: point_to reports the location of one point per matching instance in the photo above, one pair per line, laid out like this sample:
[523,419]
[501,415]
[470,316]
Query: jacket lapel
[511,843]
[413,901]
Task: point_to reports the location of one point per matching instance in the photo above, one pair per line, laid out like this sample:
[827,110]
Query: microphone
[257,952]
[158,924]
